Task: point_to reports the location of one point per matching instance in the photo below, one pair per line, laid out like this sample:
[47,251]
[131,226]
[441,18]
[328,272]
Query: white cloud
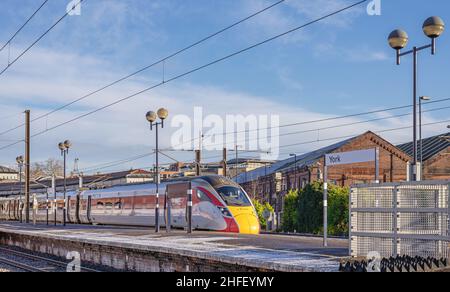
[122,131]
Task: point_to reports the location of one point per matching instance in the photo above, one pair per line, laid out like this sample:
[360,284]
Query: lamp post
[19,161]
[64,147]
[295,169]
[162,114]
[433,27]
[421,100]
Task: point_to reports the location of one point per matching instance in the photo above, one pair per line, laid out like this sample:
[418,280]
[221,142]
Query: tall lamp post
[421,100]
[295,170]
[64,147]
[19,161]
[433,27]
[162,114]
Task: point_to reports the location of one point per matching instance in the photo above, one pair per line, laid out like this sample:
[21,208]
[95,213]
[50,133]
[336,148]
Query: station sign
[351,157]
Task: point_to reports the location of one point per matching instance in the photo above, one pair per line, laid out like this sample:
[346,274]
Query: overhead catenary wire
[351,136]
[331,127]
[117,162]
[324,119]
[23,26]
[204,66]
[161,61]
[39,38]
[127,160]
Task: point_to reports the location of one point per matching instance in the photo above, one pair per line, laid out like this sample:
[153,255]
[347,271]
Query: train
[218,204]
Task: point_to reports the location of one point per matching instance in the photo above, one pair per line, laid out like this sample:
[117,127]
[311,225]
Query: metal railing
[400,219]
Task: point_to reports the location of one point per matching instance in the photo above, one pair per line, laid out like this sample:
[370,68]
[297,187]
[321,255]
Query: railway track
[50,264]
[19,266]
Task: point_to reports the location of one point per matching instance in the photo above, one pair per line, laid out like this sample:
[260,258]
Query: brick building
[436,157]
[272,183]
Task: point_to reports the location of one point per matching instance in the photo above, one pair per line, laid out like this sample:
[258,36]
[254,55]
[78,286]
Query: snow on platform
[265,252]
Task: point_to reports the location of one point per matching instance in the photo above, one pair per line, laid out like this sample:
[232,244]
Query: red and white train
[219,204]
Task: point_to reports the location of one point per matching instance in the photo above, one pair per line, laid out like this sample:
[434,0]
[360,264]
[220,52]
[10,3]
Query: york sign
[350,157]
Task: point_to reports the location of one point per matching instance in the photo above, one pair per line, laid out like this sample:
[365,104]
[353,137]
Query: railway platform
[141,249]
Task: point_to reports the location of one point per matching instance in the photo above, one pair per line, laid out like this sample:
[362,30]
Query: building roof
[4,169]
[302,160]
[249,160]
[431,146]
[71,181]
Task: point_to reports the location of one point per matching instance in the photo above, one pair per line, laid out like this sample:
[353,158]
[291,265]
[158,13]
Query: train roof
[215,181]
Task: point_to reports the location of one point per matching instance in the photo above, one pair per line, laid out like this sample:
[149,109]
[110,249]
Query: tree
[260,208]
[310,210]
[47,168]
[338,210]
[290,212]
[304,210]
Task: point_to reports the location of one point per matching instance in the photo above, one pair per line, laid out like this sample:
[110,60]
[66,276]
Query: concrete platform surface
[265,252]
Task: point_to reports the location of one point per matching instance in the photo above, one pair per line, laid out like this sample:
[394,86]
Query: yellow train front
[236,207]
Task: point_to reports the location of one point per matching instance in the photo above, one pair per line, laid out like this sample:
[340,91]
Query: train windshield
[234,196]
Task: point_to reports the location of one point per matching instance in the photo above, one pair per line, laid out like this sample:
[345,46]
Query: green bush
[290,212]
[303,210]
[260,208]
[310,211]
[338,199]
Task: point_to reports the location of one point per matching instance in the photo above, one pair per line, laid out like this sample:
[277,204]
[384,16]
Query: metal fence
[400,219]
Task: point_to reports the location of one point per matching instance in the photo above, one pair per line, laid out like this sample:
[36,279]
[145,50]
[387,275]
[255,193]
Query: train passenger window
[109,205]
[100,205]
[118,205]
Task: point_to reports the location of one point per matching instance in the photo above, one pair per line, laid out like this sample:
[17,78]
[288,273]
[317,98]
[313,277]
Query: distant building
[436,156]
[244,165]
[8,174]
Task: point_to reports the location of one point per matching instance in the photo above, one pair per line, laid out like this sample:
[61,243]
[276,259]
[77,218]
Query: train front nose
[246,219]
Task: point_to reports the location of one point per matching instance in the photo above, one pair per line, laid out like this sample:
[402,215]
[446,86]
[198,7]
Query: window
[202,196]
[234,196]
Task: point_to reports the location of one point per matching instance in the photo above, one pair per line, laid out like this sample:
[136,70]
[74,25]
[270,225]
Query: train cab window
[234,196]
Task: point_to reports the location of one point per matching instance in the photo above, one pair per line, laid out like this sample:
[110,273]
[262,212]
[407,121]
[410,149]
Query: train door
[176,204]
[69,209]
[89,209]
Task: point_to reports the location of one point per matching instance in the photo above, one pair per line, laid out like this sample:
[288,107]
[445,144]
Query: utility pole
[236,164]
[224,162]
[27,166]
[198,161]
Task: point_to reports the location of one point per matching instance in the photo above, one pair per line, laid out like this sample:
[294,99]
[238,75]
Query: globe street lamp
[151,117]
[20,160]
[433,27]
[64,147]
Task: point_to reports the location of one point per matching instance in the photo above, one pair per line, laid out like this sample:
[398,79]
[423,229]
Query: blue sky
[340,66]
